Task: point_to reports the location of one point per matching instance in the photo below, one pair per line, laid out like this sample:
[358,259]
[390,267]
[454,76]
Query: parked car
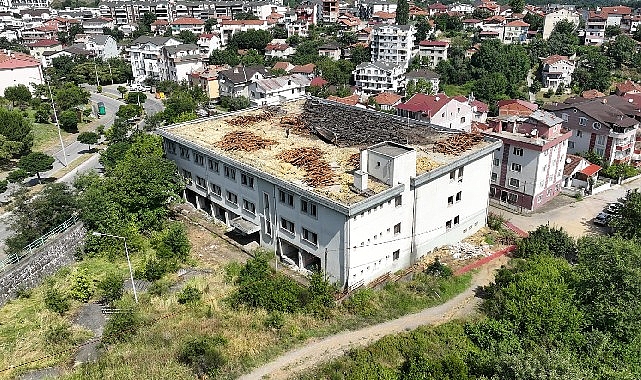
[602,219]
[612,208]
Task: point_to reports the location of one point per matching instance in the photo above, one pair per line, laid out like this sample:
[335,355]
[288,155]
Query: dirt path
[319,351]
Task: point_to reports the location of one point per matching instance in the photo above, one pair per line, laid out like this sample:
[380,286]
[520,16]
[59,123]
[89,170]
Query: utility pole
[55,115]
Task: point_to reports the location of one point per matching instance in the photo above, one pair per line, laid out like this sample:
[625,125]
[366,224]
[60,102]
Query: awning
[244,225]
[591,170]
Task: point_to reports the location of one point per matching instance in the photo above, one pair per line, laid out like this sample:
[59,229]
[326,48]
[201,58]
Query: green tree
[187,37]
[245,16]
[251,39]
[517,6]
[35,163]
[136,97]
[547,241]
[81,286]
[111,288]
[8,148]
[491,87]
[420,86]
[360,54]
[563,39]
[17,176]
[609,283]
[17,130]
[234,103]
[113,154]
[209,24]
[612,31]
[122,90]
[621,50]
[89,138]
[593,71]
[17,94]
[423,29]
[69,120]
[128,111]
[535,21]
[224,57]
[402,12]
[69,95]
[178,102]
[252,57]
[627,220]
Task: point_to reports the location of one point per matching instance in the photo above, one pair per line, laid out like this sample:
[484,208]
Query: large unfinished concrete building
[353,192]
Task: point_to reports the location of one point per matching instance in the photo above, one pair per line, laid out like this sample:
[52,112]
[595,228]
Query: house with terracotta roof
[595,28]
[615,14]
[436,8]
[493,27]
[308,69]
[278,50]
[580,173]
[351,100]
[439,109]
[191,24]
[384,17]
[386,101]
[19,68]
[436,51]
[527,171]
[515,32]
[159,27]
[283,65]
[331,50]
[592,94]
[37,48]
[96,24]
[207,79]
[209,42]
[516,107]
[627,87]
[557,70]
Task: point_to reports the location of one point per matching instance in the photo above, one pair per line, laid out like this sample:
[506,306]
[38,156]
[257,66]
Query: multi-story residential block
[598,127]
[426,75]
[19,68]
[130,12]
[330,10]
[616,14]
[493,27]
[461,8]
[557,70]
[331,50]
[385,216]
[392,43]
[37,48]
[515,32]
[552,18]
[209,42]
[372,6]
[102,46]
[207,80]
[630,24]
[236,81]
[272,91]
[595,28]
[527,171]
[440,109]
[95,25]
[375,77]
[436,51]
[176,62]
[194,25]
[144,55]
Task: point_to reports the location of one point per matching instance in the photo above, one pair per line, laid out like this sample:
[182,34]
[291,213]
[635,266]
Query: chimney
[360,176]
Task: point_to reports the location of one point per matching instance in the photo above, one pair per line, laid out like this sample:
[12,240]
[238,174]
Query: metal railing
[16,257]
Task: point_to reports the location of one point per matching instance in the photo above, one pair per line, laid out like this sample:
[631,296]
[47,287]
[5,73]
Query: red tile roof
[480,106]
[434,43]
[555,58]
[188,21]
[528,105]
[44,43]
[618,10]
[17,60]
[387,98]
[518,23]
[351,100]
[627,86]
[281,65]
[591,170]
[591,94]
[243,22]
[318,82]
[304,69]
[437,6]
[471,21]
[160,22]
[278,47]
[384,15]
[428,104]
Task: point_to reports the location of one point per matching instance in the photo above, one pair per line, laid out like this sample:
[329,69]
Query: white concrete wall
[24,75]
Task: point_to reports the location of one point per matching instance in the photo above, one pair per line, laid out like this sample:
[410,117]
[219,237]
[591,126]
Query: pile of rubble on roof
[317,170]
[458,143]
[243,141]
[464,251]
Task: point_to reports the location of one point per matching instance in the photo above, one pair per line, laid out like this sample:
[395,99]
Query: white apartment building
[384,217]
[595,28]
[441,110]
[237,80]
[145,53]
[552,18]
[102,46]
[228,28]
[527,171]
[271,91]
[190,24]
[375,77]
[176,62]
[19,68]
[557,70]
[392,43]
[96,24]
[436,51]
[515,32]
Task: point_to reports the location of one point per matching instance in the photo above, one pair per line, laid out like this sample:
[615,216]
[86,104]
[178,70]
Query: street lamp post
[131,272]
[55,114]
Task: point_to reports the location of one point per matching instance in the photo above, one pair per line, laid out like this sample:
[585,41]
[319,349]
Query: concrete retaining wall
[30,272]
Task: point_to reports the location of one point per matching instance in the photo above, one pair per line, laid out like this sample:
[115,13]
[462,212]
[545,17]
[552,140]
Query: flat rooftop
[315,144]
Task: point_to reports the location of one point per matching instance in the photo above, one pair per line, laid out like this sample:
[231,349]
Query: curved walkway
[325,349]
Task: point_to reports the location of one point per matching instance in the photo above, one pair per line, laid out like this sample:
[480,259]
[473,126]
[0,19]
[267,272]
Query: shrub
[81,286]
[547,241]
[24,293]
[203,355]
[99,89]
[121,326]
[69,121]
[319,297]
[158,288]
[57,334]
[495,221]
[232,271]
[111,288]
[361,303]
[56,301]
[154,270]
[275,320]
[438,269]
[17,175]
[175,243]
[100,130]
[3,185]
[190,294]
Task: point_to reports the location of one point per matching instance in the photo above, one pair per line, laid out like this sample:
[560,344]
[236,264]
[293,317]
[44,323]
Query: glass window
[230,173]
[397,229]
[514,182]
[249,206]
[247,180]
[232,198]
[310,236]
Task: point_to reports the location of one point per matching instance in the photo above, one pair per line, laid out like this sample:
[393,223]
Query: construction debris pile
[464,251]
[249,120]
[359,127]
[295,124]
[318,172]
[458,143]
[355,161]
[244,141]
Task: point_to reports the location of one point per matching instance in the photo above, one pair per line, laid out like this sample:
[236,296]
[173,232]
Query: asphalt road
[575,217]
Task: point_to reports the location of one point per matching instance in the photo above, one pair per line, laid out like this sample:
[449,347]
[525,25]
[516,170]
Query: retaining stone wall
[31,271]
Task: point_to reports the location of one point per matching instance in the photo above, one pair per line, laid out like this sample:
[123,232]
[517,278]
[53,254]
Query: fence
[16,257]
